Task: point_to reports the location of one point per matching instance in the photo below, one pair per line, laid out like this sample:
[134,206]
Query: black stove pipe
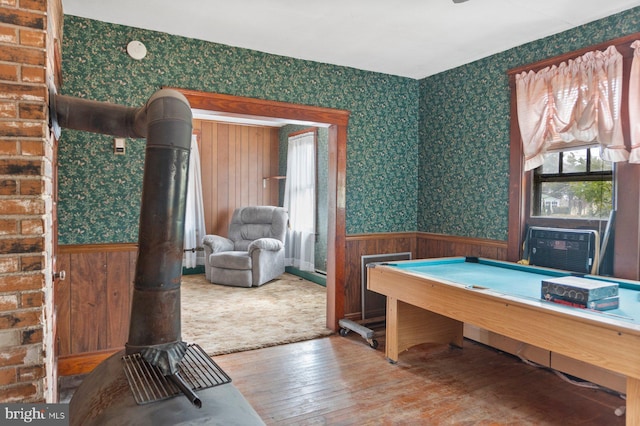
[155,315]
[99,117]
[165,121]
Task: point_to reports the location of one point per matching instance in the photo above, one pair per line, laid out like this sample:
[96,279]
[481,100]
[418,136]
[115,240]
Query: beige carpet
[224,319]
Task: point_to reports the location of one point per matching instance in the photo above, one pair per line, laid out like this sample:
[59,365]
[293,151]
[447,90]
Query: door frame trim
[338,121]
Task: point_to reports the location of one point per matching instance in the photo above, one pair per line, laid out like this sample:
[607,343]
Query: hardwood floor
[342,381]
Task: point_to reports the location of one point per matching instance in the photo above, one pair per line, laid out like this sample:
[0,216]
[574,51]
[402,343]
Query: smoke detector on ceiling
[459,1]
[136,50]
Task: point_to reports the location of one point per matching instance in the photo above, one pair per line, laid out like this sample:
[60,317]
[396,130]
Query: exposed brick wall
[28,33]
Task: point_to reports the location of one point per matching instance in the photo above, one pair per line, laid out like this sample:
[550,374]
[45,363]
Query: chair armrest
[270,244]
[216,243]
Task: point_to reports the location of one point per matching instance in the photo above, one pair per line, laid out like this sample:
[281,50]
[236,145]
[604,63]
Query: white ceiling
[411,38]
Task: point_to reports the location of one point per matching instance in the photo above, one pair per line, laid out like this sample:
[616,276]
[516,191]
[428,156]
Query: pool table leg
[409,325]
[633,401]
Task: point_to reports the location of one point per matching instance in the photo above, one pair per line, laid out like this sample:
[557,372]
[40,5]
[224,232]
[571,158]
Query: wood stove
[158,379]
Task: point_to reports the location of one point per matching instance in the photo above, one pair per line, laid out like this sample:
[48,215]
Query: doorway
[337,122]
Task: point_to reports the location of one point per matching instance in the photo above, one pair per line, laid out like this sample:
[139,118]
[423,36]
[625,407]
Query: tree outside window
[574,184]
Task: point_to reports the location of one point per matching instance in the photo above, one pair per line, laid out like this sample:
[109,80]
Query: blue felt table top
[515,280]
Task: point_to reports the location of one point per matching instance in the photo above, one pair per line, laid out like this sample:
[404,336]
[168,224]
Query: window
[531,189]
[573,184]
[300,200]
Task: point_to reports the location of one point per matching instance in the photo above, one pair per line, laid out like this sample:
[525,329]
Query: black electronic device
[575,250]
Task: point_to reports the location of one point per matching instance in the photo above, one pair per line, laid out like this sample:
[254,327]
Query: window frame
[625,176]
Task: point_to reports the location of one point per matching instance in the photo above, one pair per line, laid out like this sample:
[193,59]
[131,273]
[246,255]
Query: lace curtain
[194,227]
[300,202]
[576,103]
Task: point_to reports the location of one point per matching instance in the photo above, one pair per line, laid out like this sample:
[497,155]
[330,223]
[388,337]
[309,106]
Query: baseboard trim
[92,248]
[309,276]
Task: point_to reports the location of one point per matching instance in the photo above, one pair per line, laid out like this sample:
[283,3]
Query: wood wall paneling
[234,161]
[93,303]
[118,299]
[229,170]
[63,305]
[88,302]
[255,166]
[437,245]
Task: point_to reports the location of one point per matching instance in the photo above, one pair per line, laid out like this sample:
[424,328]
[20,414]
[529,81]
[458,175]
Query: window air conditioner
[573,250]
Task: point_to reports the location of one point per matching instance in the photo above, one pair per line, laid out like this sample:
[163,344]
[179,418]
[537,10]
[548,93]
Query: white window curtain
[194,228]
[300,201]
[574,104]
[634,103]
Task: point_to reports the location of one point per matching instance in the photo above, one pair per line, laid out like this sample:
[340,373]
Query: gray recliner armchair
[254,252]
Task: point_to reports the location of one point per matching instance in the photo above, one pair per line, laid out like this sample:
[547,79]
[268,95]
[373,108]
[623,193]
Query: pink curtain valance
[575,103]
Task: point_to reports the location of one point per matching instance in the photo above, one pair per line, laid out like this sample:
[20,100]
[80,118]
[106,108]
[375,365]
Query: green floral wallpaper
[100,192]
[429,155]
[464,133]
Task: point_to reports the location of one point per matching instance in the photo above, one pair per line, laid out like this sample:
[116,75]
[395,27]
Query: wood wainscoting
[438,245]
[92,303]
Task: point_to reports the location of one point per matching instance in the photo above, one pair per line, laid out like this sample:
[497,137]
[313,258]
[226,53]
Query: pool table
[430,300]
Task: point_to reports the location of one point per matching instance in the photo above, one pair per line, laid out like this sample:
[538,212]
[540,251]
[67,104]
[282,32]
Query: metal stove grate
[148,384]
